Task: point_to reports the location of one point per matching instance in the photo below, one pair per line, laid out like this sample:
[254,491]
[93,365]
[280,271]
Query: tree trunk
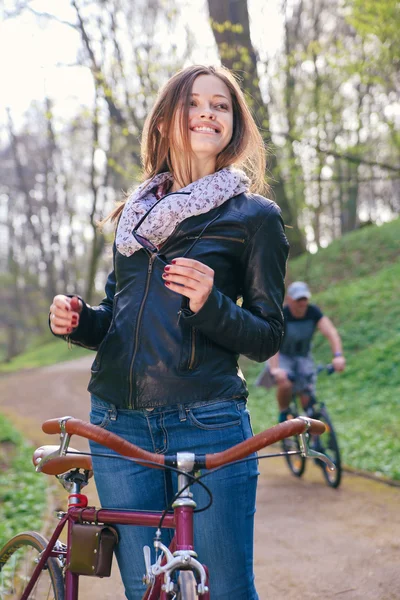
[231,29]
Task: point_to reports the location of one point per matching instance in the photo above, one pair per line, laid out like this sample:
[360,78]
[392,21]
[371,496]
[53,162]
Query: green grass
[355,255]
[357,287]
[22,490]
[48,353]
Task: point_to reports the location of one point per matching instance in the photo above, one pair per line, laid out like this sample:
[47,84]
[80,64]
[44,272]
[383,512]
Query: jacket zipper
[141,308]
[217,237]
[193,237]
[192,349]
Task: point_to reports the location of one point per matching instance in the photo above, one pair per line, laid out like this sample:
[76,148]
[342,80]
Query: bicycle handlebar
[328,368]
[210,461]
[318,369]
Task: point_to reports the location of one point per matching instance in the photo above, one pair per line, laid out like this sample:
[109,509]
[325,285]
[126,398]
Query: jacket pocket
[193,348]
[97,360]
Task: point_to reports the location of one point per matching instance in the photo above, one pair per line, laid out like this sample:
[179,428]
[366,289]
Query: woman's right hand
[64,314]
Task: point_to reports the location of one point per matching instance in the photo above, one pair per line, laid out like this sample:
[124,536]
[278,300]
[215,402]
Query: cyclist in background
[294,361]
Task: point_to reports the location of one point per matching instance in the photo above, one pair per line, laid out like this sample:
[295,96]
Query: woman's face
[210,119]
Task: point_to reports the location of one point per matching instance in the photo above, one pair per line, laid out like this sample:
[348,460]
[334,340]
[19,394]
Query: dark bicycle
[326,444]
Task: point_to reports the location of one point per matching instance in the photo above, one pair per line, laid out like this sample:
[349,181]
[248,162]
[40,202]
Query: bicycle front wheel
[187,586]
[327,444]
[18,559]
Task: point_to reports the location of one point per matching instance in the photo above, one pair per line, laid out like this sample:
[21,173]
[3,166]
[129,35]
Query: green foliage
[22,490]
[358,285]
[48,353]
[377,25]
[379,19]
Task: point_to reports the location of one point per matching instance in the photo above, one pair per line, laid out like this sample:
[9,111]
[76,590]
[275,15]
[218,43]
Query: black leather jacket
[152,350]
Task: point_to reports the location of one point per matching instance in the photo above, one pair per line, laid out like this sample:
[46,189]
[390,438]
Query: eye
[192,102]
[222,106]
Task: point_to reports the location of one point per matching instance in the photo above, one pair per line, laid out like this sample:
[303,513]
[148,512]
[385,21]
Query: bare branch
[50,17]
[349,157]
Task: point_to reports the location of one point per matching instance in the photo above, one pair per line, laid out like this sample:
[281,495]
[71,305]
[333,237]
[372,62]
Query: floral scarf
[195,199]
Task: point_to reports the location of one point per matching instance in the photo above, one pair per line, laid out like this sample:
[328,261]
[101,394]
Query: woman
[190,241]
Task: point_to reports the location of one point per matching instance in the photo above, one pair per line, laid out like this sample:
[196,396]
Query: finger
[189,272]
[62,302]
[62,318]
[76,304]
[184,290]
[194,264]
[61,330]
[184,280]
[59,309]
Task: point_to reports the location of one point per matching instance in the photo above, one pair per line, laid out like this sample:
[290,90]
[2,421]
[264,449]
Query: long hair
[171,111]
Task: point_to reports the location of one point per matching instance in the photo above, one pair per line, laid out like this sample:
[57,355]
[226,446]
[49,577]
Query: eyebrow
[214,96]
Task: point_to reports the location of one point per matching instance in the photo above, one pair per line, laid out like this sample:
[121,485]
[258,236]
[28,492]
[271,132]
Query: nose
[207,114]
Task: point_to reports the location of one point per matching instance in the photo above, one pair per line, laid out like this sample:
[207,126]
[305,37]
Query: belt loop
[113,412]
[182,413]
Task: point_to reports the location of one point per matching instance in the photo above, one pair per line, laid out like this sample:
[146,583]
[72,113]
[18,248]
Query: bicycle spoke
[18,559]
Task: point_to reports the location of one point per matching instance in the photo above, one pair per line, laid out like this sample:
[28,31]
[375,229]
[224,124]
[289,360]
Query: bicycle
[51,569]
[326,444]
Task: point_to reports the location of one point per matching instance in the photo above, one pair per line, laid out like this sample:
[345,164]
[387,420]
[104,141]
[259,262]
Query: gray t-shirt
[298,333]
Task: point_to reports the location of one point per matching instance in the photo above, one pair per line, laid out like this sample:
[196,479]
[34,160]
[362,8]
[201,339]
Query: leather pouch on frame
[92,549]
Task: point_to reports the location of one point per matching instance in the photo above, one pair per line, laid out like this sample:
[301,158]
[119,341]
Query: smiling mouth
[205,129]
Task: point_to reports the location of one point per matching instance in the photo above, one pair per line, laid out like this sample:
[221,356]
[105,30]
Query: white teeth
[204,129]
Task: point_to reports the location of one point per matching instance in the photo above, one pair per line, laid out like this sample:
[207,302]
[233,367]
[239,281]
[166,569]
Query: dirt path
[311,542]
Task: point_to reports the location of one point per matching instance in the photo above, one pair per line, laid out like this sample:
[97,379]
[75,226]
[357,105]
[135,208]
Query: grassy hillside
[354,255]
[356,280]
[49,352]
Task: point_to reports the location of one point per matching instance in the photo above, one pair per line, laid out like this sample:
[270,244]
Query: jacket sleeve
[94,321]
[254,329]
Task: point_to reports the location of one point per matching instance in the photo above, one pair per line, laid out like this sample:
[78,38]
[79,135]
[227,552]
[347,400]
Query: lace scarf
[195,199]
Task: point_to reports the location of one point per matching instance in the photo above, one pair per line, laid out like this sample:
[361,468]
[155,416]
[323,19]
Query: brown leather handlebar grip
[264,439]
[52,425]
[103,437]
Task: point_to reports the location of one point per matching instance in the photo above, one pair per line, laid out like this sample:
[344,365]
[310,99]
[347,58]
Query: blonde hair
[245,149]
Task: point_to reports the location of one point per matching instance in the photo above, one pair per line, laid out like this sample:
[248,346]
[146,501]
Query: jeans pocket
[218,415]
[100,414]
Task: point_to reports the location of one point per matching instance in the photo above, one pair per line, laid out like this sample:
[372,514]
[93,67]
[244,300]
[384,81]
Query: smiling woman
[190,240]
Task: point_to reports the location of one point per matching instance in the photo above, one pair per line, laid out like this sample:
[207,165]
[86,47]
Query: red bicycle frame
[181,520]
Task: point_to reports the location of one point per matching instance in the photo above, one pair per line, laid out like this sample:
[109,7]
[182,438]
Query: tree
[231,29]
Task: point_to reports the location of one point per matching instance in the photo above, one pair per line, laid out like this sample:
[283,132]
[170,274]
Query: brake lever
[63,448]
[307,452]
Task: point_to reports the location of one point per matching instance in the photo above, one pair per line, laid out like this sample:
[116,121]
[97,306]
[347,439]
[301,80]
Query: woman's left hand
[190,278]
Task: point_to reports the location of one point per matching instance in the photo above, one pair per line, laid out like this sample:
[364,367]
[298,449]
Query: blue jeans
[223,534]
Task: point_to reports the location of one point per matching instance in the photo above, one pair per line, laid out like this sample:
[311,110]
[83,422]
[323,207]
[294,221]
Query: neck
[198,169]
